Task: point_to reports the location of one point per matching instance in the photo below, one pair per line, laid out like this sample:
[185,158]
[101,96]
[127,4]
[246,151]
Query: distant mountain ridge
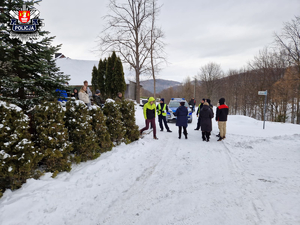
[161,84]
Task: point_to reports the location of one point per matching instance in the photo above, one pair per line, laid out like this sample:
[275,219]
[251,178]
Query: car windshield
[176,104]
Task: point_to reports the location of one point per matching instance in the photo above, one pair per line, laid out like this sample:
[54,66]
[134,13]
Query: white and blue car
[173,105]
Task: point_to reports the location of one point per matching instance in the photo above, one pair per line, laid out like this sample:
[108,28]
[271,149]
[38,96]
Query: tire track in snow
[261,207]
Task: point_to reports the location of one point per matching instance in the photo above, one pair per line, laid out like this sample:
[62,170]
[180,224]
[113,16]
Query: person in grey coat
[206,115]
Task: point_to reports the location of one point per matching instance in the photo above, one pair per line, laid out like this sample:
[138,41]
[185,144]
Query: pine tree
[27,67]
[101,76]
[128,117]
[18,157]
[100,128]
[51,137]
[114,122]
[81,134]
[109,75]
[95,78]
[118,80]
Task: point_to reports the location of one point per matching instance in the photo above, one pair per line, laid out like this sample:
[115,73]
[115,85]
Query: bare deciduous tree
[129,33]
[209,75]
[289,40]
[157,46]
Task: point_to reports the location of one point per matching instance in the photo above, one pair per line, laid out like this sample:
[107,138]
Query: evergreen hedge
[59,137]
[18,157]
[114,122]
[128,117]
[51,137]
[81,133]
[100,128]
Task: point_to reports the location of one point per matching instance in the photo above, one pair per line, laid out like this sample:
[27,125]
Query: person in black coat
[75,93]
[206,115]
[182,120]
[198,114]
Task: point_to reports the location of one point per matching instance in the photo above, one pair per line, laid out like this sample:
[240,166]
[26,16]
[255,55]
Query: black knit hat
[222,101]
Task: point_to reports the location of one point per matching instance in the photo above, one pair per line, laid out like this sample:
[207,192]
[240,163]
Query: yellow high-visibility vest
[164,110]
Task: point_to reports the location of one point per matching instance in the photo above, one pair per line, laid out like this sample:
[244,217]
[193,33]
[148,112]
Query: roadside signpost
[265,93]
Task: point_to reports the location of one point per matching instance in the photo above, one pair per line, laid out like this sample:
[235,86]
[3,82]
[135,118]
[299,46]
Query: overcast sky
[229,33]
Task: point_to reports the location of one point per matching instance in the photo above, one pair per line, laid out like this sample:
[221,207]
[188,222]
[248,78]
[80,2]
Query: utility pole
[195,87]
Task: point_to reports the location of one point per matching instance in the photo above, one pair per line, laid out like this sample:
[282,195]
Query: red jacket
[222,112]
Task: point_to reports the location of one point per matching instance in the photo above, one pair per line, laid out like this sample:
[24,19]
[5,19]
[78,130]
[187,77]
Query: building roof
[79,70]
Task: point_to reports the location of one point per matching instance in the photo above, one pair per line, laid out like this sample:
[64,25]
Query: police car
[174,104]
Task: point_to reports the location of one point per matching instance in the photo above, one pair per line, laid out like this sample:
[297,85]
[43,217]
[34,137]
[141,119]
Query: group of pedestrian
[85,94]
[204,113]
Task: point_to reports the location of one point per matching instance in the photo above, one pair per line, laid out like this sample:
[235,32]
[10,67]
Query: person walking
[182,120]
[221,117]
[198,114]
[162,110]
[150,114]
[206,115]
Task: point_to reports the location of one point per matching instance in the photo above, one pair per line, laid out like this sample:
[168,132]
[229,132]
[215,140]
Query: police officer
[162,109]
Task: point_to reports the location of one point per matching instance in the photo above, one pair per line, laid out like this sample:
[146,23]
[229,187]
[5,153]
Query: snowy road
[253,177]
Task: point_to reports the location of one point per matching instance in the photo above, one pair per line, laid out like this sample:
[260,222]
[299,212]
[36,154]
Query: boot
[207,136]
[155,138]
[169,131]
[203,136]
[185,134]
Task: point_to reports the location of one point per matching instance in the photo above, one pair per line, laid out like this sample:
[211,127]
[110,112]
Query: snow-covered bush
[84,139]
[128,118]
[17,152]
[114,123]
[100,128]
[51,137]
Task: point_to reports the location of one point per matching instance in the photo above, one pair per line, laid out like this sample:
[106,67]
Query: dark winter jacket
[150,110]
[99,100]
[73,94]
[192,102]
[181,114]
[118,99]
[206,115]
[222,113]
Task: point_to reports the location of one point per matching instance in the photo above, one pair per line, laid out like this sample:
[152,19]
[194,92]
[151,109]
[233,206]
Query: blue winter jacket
[181,114]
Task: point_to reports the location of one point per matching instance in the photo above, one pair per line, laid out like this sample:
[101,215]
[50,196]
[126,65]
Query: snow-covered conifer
[81,134]
[114,121]
[100,128]
[128,117]
[51,137]
[17,152]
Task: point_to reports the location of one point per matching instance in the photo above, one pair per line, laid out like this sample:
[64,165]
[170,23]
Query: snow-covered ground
[252,177]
